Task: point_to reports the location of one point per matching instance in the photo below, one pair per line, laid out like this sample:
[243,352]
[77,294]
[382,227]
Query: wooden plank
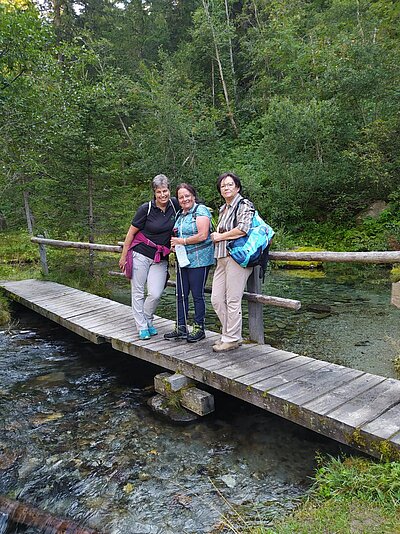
[343,394]
[348,405]
[78,310]
[220,357]
[101,317]
[313,385]
[368,405]
[254,365]
[288,375]
[385,425]
[284,362]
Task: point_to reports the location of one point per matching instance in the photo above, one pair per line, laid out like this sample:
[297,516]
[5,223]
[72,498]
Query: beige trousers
[228,285]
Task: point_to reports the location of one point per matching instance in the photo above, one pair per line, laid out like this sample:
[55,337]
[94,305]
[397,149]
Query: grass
[20,260]
[349,496]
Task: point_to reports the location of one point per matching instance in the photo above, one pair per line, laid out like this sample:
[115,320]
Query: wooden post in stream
[256,320]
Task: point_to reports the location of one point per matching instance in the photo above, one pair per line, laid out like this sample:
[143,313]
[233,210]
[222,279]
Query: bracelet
[184,241]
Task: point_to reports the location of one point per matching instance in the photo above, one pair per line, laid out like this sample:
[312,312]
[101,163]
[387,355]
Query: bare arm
[203,227]
[128,240]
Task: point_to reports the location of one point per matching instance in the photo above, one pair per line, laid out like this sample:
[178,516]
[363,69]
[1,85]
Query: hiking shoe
[144,334]
[226,345]
[152,330]
[196,334]
[179,332]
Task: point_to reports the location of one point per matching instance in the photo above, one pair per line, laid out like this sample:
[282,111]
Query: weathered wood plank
[368,405]
[343,394]
[284,362]
[315,384]
[244,363]
[385,425]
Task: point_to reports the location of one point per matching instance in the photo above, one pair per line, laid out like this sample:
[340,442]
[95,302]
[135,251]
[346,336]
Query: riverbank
[350,495]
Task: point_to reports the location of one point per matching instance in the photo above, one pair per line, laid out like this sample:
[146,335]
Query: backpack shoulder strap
[173,207]
[149,208]
[236,211]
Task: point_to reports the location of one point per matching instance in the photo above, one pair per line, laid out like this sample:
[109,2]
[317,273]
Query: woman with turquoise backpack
[194,253]
[229,281]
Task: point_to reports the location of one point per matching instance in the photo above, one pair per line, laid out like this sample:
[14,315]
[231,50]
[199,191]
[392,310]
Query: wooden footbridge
[353,407]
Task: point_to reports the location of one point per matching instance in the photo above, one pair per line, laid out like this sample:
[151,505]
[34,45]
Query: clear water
[78,440]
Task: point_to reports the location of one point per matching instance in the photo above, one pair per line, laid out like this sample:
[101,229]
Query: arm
[235,233]
[203,227]
[133,230]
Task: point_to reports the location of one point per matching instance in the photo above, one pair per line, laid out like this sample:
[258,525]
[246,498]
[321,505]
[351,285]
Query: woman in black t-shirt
[148,239]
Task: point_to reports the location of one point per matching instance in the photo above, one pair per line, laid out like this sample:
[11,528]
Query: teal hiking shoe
[152,330]
[144,334]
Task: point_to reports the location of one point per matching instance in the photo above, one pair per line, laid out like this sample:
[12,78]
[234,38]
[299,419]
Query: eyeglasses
[228,185]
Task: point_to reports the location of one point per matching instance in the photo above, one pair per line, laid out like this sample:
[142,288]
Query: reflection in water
[78,441]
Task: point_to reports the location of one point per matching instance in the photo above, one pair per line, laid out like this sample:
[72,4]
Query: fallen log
[28,515]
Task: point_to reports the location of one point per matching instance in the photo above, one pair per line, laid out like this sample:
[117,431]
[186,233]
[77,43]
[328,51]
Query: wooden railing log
[345,257]
[76,244]
[392,256]
[267,300]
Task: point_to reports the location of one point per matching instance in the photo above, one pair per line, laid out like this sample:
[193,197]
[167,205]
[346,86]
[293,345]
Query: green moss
[387,451]
[395,274]
[291,264]
[5,315]
[356,439]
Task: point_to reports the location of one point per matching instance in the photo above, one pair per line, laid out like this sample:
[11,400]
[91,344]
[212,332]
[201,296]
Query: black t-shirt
[155,224]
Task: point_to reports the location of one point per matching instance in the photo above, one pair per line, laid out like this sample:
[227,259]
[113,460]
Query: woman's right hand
[122,262]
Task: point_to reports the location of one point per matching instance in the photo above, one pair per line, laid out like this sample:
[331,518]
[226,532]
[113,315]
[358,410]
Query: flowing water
[78,440]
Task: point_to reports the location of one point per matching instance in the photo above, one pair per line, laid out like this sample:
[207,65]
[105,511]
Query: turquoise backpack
[252,249]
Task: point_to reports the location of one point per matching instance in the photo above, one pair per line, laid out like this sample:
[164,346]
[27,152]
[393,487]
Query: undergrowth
[349,496]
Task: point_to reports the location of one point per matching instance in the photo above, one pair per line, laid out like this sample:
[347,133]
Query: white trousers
[228,285]
[155,275]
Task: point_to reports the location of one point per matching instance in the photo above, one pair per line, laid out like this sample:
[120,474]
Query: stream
[79,441]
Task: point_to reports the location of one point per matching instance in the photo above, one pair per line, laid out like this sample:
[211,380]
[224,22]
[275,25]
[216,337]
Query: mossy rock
[395,273]
[291,264]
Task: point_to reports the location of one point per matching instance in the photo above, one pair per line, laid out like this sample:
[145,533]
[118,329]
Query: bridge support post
[396,294]
[256,320]
[43,257]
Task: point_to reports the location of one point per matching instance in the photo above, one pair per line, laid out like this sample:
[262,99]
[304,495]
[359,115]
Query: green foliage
[5,315]
[95,103]
[360,478]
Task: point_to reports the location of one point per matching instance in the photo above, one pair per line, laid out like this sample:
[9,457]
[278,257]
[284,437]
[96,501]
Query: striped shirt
[226,221]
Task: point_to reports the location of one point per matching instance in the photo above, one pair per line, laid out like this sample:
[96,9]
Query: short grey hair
[160,181]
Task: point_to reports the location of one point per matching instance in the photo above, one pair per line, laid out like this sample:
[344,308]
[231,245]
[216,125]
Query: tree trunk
[30,221]
[228,24]
[90,182]
[221,72]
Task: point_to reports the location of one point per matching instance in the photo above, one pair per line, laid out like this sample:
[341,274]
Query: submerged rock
[159,405]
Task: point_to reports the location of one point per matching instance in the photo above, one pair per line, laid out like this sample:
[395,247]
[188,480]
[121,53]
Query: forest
[299,97]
